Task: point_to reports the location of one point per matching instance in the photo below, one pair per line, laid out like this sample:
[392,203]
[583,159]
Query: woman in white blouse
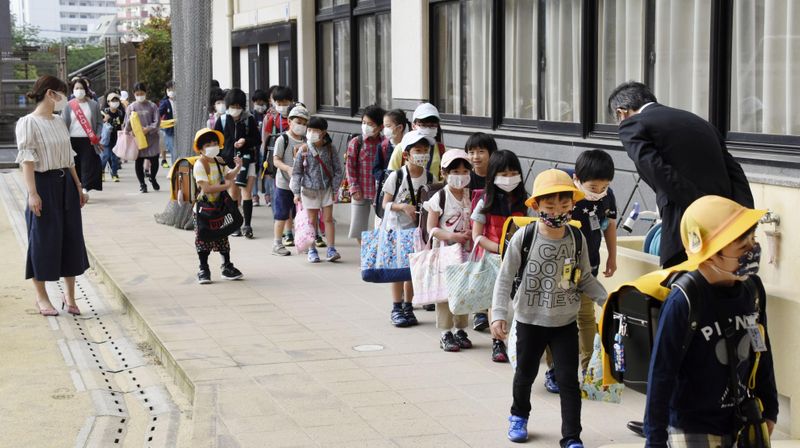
[83,119]
[55,233]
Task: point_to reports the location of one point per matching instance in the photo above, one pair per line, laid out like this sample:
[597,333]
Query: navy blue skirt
[55,239]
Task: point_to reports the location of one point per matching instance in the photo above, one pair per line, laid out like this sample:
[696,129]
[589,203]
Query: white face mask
[420,159]
[141,98]
[220,108]
[235,112]
[283,110]
[458,180]
[367,130]
[388,132]
[211,151]
[507,184]
[590,195]
[79,94]
[260,108]
[61,103]
[298,129]
[428,132]
[171,93]
[312,137]
[113,104]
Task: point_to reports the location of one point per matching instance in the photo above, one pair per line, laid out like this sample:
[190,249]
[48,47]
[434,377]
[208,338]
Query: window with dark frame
[354,55]
[462,60]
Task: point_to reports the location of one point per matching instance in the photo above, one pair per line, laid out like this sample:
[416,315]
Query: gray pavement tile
[394,428]
[342,433]
[431,441]
[278,439]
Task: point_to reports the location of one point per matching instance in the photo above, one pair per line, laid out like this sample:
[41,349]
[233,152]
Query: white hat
[299,112]
[111,96]
[413,137]
[424,111]
[124,94]
[452,155]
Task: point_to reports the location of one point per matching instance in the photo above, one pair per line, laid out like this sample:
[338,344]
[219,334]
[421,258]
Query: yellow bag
[167,124]
[138,131]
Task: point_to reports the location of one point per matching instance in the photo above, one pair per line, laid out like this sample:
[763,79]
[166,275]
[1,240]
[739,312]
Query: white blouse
[75,128]
[45,142]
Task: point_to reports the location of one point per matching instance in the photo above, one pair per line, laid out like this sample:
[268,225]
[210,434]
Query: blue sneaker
[550,381]
[313,256]
[333,255]
[572,443]
[518,429]
[399,318]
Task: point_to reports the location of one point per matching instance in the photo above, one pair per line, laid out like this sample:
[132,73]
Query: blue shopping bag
[385,252]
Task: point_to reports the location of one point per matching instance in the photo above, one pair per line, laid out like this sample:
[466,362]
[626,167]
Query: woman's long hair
[503,160]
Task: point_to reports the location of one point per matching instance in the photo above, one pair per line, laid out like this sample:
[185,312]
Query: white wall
[274,67]
[410,49]
[221,44]
[244,77]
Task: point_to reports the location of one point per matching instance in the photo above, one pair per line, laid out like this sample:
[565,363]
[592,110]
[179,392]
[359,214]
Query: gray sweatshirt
[541,298]
[308,173]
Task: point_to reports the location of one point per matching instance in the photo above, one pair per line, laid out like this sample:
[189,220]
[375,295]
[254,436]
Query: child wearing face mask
[360,158]
[213,176]
[401,194]
[546,298]
[264,184]
[278,122]
[114,115]
[216,101]
[166,109]
[241,140]
[597,213]
[283,158]
[690,397]
[426,121]
[451,224]
[316,175]
[503,196]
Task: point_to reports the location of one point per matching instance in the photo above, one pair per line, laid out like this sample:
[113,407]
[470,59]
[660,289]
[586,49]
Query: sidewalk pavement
[35,382]
[272,361]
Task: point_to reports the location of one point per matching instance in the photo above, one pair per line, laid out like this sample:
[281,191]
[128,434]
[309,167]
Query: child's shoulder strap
[528,232]
[577,235]
[688,283]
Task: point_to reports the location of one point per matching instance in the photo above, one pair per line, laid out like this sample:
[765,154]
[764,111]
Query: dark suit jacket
[681,157]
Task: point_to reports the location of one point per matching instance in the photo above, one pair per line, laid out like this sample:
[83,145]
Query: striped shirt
[45,142]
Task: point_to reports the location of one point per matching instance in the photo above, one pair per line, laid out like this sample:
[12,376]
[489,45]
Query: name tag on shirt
[756,337]
[566,274]
[594,221]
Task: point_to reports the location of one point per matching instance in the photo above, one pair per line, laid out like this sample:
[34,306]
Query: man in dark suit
[679,155]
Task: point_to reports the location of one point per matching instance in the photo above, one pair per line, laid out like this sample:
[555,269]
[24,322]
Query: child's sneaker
[499,351]
[429,307]
[333,255]
[572,443]
[237,233]
[481,322]
[256,201]
[288,240]
[399,318]
[517,429]
[115,178]
[164,164]
[230,273]
[280,250]
[408,312]
[248,232]
[313,256]
[204,276]
[319,242]
[462,339]
[448,343]
[550,381]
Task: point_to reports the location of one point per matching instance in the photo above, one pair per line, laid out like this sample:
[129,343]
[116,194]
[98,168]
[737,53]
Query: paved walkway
[271,359]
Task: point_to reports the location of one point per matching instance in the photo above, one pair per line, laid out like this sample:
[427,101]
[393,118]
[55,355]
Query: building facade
[536,74]
[63,19]
[132,14]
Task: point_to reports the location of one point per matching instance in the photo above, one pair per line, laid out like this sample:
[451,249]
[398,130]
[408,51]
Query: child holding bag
[316,174]
[401,201]
[213,177]
[448,221]
[504,196]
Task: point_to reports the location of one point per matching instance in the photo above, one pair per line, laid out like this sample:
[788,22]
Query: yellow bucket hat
[713,222]
[553,181]
[200,133]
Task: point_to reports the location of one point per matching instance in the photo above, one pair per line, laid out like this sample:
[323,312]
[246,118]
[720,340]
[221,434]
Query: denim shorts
[283,204]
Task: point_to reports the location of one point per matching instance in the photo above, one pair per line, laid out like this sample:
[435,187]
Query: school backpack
[183,193]
[528,224]
[269,153]
[415,196]
[629,322]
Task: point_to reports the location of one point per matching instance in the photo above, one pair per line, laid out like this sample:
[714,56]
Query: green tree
[78,57]
[154,56]
[29,45]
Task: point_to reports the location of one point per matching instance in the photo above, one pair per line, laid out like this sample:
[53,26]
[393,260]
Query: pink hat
[452,155]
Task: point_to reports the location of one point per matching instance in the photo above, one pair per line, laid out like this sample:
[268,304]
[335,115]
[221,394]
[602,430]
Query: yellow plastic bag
[138,131]
[167,124]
